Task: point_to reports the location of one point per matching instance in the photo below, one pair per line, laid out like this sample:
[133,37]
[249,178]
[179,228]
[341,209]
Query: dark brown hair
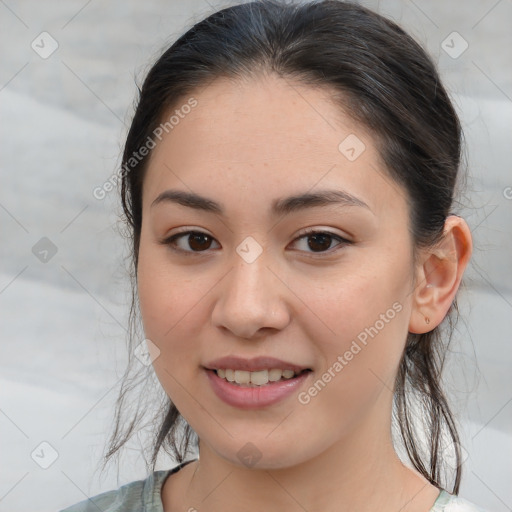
[384,80]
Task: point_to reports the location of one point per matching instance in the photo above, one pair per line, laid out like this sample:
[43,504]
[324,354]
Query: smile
[256,379]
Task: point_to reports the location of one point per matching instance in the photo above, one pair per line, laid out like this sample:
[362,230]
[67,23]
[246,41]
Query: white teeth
[274,375]
[259,378]
[242,377]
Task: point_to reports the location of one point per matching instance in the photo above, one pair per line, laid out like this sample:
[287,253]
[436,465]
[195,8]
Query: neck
[360,472]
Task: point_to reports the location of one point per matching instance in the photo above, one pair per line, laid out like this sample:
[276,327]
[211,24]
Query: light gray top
[145,496]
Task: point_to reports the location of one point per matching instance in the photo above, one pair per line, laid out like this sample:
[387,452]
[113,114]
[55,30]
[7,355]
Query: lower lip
[254,397]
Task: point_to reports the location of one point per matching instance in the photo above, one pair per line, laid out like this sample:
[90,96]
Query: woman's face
[254,286]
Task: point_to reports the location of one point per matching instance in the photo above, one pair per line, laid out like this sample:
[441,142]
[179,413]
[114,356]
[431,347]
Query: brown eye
[321,241]
[199,241]
[190,241]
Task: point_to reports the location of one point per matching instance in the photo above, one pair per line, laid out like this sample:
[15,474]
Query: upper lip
[252,365]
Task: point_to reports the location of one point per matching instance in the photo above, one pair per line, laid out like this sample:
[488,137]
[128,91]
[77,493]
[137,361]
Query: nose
[251,300]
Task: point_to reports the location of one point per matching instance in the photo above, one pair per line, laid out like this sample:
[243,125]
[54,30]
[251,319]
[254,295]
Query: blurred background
[67,85]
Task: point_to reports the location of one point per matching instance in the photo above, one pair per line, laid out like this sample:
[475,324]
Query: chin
[261,455]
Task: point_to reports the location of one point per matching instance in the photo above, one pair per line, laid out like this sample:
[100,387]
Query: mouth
[258,378]
[255,383]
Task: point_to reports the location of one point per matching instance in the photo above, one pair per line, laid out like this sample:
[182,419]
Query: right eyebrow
[279,206]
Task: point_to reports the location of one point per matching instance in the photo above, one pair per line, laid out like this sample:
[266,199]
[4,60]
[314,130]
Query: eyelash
[170,241]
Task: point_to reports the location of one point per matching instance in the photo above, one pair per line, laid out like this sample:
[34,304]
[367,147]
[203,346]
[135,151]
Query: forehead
[265,134]
[284,116]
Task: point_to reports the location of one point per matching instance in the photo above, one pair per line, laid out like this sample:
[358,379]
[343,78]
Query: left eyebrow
[280,207]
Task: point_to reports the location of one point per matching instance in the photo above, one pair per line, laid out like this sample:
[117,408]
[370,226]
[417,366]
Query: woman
[288,180]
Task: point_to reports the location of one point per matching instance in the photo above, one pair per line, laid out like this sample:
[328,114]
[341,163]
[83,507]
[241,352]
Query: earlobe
[439,275]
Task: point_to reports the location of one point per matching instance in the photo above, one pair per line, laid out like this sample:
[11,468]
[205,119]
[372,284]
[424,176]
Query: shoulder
[137,495]
[447,502]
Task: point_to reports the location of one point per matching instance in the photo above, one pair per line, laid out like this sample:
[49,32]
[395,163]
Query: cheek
[170,305]
[170,301]
[354,298]
[367,318]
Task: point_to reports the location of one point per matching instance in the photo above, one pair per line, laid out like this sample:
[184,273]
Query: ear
[438,276]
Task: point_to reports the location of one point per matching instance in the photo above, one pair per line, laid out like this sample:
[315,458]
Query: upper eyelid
[303,233]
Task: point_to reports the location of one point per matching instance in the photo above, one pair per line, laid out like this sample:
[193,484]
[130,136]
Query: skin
[244,145]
